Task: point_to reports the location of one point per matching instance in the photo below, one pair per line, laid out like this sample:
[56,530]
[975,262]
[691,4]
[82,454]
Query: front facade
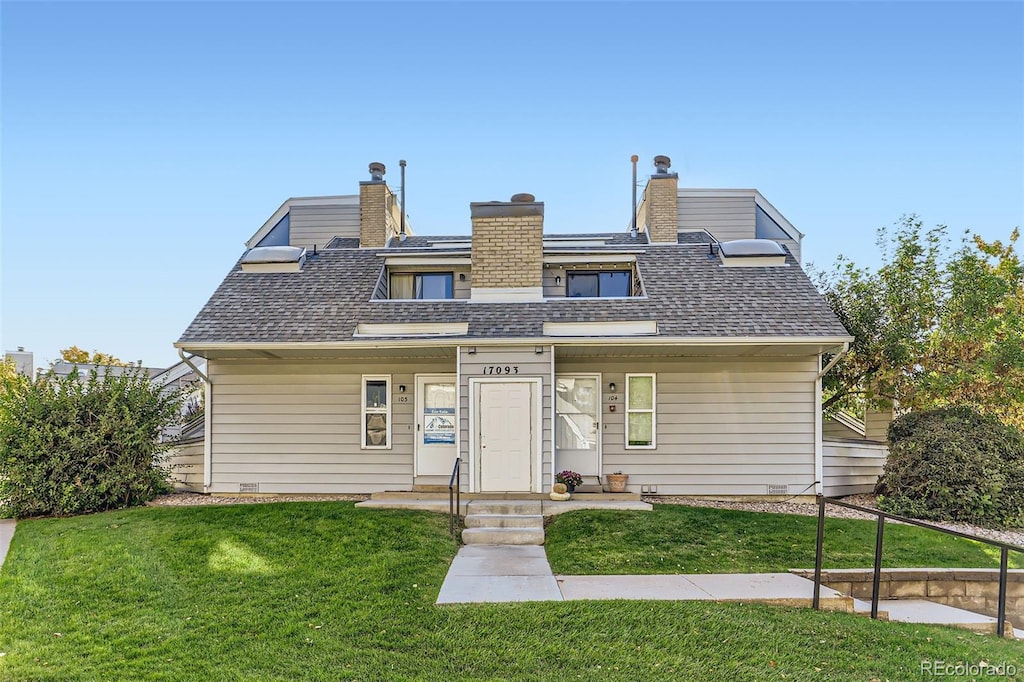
[345,354]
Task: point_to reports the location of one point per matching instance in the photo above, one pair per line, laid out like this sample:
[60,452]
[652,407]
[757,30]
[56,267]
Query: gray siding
[723,427]
[724,217]
[851,467]
[186,464]
[320,224]
[530,365]
[295,427]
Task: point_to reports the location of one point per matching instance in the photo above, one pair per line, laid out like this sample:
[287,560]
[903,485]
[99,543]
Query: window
[428,285]
[640,420]
[376,412]
[598,284]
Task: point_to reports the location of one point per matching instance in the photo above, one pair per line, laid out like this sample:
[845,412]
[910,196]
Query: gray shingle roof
[688,294]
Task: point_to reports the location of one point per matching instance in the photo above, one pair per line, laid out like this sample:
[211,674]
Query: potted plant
[617,482]
[570,478]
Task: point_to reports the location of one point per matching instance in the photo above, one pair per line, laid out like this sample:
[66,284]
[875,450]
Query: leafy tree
[71,445]
[931,330]
[975,354]
[889,312]
[80,356]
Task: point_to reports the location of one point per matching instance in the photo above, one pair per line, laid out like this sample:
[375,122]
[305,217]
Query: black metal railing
[454,498]
[1004,553]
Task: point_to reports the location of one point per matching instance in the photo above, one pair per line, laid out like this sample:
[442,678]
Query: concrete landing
[548,507]
[924,611]
[499,573]
[6,535]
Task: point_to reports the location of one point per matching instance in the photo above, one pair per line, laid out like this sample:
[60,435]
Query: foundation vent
[255,487]
[778,489]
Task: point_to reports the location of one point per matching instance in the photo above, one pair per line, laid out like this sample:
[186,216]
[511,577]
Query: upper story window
[599,284]
[427,285]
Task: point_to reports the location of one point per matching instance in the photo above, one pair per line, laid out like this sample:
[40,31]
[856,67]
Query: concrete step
[503,536]
[505,521]
[532,507]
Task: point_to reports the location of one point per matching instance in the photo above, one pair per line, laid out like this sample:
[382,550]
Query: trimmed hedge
[72,445]
[954,464]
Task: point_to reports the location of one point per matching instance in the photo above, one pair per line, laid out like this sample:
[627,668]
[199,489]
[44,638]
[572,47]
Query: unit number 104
[498,369]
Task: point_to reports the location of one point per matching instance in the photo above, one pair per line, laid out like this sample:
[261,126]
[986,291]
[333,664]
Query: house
[346,354]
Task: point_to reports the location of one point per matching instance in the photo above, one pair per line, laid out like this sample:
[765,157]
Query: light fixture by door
[611,386]
[401,388]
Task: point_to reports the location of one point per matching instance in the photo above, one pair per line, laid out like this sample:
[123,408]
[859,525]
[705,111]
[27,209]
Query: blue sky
[143,143]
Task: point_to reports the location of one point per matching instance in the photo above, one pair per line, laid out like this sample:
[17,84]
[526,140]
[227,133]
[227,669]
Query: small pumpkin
[559,488]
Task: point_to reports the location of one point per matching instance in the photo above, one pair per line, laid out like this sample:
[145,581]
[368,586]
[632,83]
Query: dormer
[372,217]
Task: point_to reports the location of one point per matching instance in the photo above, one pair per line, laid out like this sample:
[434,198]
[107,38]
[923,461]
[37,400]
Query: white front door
[435,424]
[578,423]
[506,434]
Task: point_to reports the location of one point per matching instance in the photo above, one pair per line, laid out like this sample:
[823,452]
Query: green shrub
[954,464]
[71,445]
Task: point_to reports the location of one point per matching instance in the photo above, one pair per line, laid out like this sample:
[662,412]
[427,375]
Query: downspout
[819,462]
[208,420]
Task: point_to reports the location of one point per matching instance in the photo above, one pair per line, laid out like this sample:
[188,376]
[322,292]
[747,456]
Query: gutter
[208,424]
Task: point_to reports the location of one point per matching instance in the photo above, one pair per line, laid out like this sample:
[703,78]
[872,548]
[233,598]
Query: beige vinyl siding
[186,465]
[295,427]
[551,289]
[724,427]
[851,468]
[318,225]
[531,365]
[876,425]
[725,217]
[830,428]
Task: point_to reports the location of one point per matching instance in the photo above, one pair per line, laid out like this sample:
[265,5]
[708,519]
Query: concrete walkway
[6,535]
[499,573]
[518,573]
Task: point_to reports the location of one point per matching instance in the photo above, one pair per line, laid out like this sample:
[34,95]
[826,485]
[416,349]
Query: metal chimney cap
[377,171]
[662,164]
[523,198]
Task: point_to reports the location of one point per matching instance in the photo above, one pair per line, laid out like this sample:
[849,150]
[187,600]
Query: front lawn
[680,539]
[324,591]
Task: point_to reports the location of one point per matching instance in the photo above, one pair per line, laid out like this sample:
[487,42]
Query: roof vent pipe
[401,230]
[523,198]
[633,231]
[662,164]
[377,171]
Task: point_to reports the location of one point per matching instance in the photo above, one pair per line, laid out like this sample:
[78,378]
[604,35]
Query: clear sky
[143,143]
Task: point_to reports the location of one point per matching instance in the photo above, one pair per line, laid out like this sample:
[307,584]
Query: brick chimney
[508,249]
[661,198]
[377,210]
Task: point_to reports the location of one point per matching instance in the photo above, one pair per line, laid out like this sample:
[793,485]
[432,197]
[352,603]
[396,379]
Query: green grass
[324,591]
[679,539]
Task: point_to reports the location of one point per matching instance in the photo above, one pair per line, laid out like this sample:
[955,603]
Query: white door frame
[418,381]
[538,426]
[600,418]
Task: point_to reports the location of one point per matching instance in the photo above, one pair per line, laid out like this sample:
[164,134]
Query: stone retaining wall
[974,589]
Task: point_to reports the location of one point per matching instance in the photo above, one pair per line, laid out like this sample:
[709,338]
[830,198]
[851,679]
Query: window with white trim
[376,422]
[640,411]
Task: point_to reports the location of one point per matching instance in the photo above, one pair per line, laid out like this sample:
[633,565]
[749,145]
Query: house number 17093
[501,369]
